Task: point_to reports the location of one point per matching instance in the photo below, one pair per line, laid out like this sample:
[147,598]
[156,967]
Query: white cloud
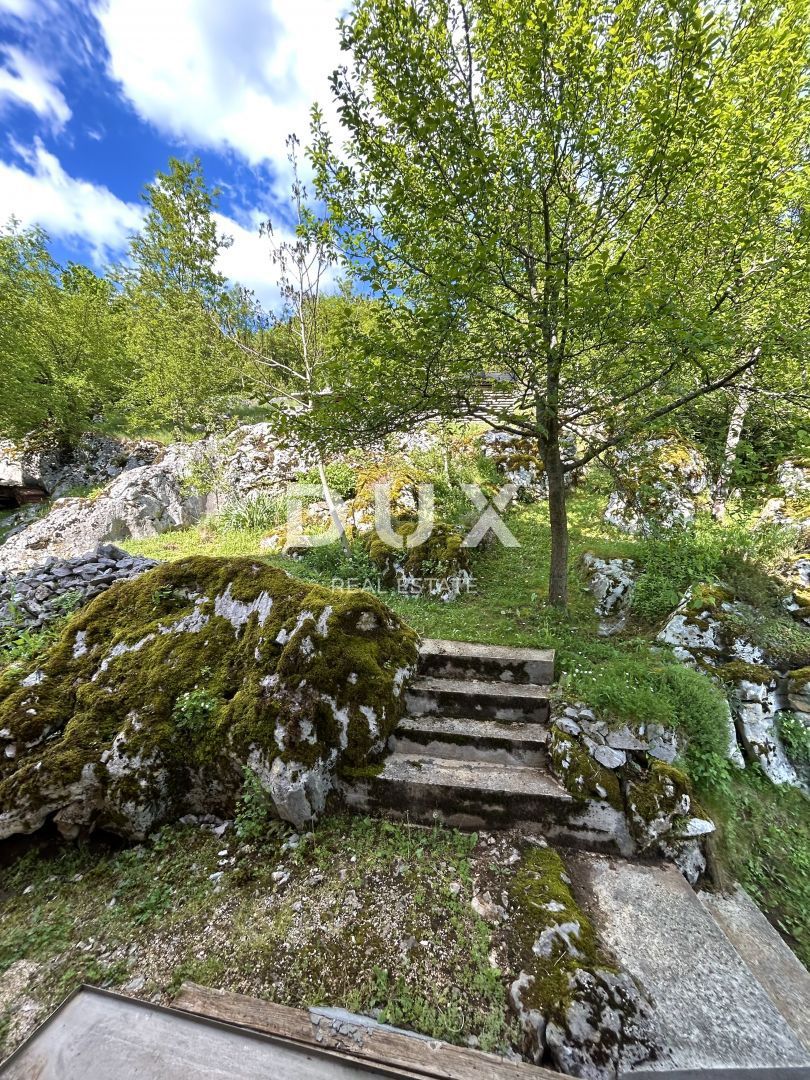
[68,208]
[240,75]
[24,81]
[41,192]
[21,8]
[247,261]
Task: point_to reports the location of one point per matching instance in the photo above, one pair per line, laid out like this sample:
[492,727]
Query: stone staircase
[472,750]
[727,994]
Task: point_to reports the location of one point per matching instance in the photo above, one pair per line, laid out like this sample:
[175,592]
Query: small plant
[261,512]
[193,710]
[255,821]
[796,736]
[165,596]
[68,603]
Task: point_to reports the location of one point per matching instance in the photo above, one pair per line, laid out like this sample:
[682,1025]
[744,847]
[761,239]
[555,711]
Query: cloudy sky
[95,95]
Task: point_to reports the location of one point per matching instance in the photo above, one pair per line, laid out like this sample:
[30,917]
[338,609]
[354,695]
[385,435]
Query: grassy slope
[152,912]
[765,833]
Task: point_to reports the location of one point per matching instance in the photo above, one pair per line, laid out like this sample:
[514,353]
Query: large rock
[713,631]
[577,1012]
[611,581]
[659,484]
[792,507]
[162,690]
[138,503]
[177,487]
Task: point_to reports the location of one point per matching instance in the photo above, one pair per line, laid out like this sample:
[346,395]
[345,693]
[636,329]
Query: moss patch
[553,936]
[583,777]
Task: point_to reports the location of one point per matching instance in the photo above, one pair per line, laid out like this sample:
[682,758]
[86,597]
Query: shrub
[796,737]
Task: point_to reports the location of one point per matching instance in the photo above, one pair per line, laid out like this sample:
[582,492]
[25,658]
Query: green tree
[175,299]
[584,194]
[291,352]
[60,346]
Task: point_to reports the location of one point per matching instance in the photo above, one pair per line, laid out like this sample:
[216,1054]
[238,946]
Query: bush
[255,814]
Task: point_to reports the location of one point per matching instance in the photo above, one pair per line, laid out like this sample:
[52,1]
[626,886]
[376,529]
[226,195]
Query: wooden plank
[421,1057]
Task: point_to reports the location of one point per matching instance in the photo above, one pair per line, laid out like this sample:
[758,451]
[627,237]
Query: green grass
[367,920]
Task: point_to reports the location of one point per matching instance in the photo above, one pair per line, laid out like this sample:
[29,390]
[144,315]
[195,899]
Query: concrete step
[710,1010]
[465,660]
[465,739]
[779,971]
[464,698]
[463,794]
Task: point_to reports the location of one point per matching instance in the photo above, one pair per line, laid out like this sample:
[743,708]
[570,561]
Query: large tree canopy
[603,199]
[60,341]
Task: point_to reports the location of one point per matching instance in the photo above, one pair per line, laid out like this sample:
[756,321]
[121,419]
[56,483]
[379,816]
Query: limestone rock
[160,692]
[94,460]
[793,506]
[606,1030]
[140,502]
[611,582]
[661,482]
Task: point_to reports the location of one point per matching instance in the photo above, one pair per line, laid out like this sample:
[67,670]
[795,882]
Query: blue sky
[95,95]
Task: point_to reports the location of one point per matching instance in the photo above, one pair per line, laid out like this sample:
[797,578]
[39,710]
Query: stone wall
[60,586]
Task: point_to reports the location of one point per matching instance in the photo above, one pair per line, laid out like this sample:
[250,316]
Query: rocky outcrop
[659,484]
[611,581]
[51,591]
[792,507]
[631,770]
[739,647]
[162,691]
[518,460]
[140,502]
[576,1010]
[176,488]
[93,461]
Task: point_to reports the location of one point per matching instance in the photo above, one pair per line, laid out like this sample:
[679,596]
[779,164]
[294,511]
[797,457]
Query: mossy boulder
[577,1010]
[439,567]
[661,482]
[159,692]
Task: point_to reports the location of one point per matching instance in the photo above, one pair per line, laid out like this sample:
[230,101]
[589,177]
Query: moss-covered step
[467,660]
[489,700]
[471,740]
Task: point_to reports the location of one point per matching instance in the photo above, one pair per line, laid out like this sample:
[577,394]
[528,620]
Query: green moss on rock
[287,669]
[654,801]
[740,671]
[554,937]
[583,777]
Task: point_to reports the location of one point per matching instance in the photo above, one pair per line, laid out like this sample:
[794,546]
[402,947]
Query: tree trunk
[733,435]
[558,519]
[548,437]
[333,514]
